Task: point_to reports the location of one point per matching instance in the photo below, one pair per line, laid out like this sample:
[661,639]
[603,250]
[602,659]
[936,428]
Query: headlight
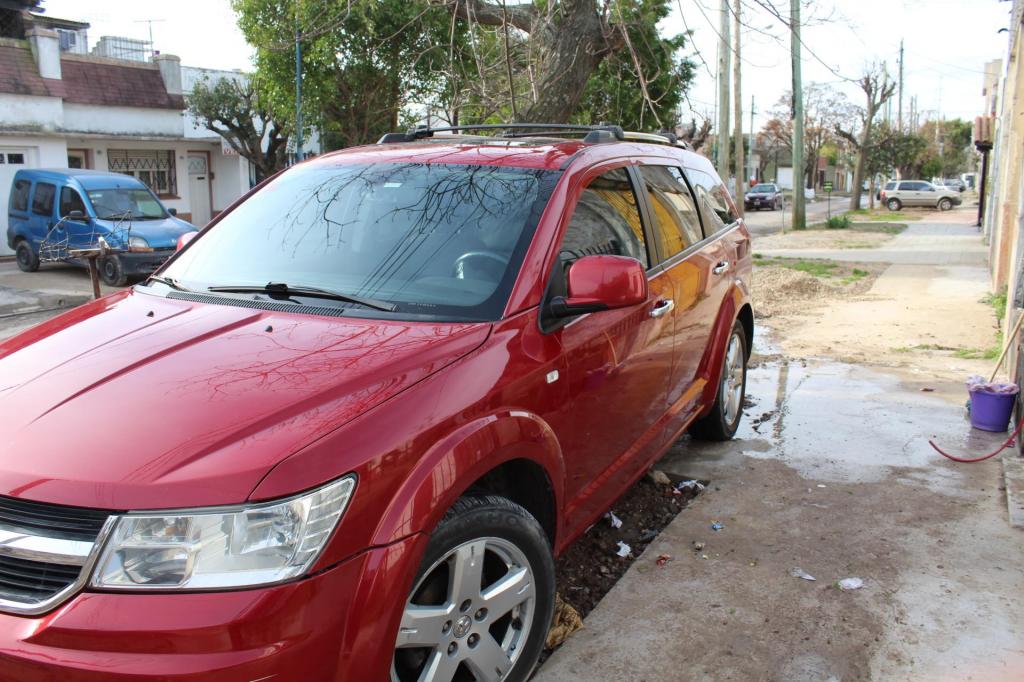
[222,547]
[136,243]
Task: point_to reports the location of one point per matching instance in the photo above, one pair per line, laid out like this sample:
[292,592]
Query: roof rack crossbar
[420,132]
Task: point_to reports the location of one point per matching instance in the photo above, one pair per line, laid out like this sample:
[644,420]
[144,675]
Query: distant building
[116,109]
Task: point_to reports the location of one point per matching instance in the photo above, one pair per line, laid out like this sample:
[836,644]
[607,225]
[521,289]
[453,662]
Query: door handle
[663,307]
[720,268]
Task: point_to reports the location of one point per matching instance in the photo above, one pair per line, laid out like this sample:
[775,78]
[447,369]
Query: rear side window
[913,186]
[714,201]
[70,200]
[675,212]
[42,200]
[606,221]
[19,195]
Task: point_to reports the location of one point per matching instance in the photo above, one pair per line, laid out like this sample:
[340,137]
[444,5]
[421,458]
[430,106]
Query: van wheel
[945,204]
[28,261]
[483,597]
[723,420]
[894,204]
[112,272]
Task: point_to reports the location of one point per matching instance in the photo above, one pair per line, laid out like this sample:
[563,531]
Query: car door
[79,231]
[41,218]
[618,362]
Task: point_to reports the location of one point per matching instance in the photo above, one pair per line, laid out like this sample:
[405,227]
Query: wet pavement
[832,473]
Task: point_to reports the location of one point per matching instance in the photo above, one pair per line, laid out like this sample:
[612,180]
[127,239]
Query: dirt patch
[785,287]
[866,236]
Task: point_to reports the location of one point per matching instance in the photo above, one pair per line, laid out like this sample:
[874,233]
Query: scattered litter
[664,559]
[717,526]
[927,390]
[648,534]
[822,485]
[802,574]
[703,556]
[690,485]
[624,549]
[659,477]
[698,545]
[848,584]
[565,621]
[614,520]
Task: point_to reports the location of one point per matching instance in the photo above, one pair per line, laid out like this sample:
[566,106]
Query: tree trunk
[862,153]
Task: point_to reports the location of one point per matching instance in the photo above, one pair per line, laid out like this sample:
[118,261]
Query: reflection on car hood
[135,400]
[159,234]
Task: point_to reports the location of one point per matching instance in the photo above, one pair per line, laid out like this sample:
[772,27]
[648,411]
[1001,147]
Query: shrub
[838,222]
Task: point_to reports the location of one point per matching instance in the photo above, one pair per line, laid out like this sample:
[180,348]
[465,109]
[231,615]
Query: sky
[947,43]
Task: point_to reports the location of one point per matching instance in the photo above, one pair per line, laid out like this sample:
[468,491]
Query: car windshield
[763,188]
[120,202]
[441,241]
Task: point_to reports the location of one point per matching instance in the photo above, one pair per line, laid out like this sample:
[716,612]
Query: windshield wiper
[282,289]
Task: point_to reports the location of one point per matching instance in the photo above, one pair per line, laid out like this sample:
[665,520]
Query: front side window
[70,200]
[675,213]
[606,221]
[890,186]
[714,200]
[19,195]
[154,167]
[42,200]
[123,203]
[443,241]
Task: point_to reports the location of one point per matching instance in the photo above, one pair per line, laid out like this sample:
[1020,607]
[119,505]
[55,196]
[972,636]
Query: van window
[19,196]
[70,200]
[42,200]
[606,221]
[714,201]
[675,212]
[889,186]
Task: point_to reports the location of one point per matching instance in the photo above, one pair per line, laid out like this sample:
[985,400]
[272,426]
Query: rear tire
[894,204]
[945,204]
[457,625]
[27,259]
[723,420]
[112,272]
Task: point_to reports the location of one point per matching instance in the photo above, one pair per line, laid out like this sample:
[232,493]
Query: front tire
[482,600]
[945,204]
[112,272]
[28,261]
[721,423]
[894,204]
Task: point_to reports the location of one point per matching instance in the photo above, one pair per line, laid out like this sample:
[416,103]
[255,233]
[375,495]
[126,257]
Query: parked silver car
[902,193]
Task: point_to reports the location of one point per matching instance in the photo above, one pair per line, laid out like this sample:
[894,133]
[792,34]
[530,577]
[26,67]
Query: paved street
[770,222]
[836,478]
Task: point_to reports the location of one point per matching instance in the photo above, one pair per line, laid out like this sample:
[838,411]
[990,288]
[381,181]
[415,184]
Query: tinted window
[606,221]
[913,186]
[890,185]
[42,200]
[714,200]
[70,201]
[19,195]
[444,241]
[675,213]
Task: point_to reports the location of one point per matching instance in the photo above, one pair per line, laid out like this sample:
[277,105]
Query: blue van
[59,209]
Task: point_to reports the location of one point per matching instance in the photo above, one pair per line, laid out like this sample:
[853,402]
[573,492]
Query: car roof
[85,178]
[536,152]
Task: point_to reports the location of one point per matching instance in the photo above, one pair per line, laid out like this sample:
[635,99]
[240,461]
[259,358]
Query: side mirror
[185,239]
[601,283]
[76,215]
[173,211]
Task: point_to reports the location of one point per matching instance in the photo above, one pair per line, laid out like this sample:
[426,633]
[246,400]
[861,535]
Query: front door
[78,158]
[79,231]
[199,188]
[618,361]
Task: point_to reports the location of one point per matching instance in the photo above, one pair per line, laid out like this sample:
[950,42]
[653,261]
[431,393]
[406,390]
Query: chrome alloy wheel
[732,379]
[468,617]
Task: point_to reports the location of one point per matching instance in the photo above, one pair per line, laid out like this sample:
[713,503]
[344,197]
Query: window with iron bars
[154,167]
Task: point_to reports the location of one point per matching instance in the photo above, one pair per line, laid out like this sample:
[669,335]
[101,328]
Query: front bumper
[137,263]
[331,626]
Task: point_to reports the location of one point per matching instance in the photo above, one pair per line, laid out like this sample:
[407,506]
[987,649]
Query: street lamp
[983,143]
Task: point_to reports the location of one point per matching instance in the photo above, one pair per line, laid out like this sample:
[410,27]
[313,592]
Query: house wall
[40,152]
[31,113]
[231,181]
[90,118]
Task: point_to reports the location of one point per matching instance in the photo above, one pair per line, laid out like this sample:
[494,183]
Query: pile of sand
[781,291]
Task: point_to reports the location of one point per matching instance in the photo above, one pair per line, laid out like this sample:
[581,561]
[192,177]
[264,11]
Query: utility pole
[741,166]
[899,107]
[724,50]
[750,157]
[799,210]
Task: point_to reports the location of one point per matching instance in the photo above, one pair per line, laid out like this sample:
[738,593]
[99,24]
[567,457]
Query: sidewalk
[837,479]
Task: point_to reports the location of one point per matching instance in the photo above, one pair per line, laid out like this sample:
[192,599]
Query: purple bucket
[990,410]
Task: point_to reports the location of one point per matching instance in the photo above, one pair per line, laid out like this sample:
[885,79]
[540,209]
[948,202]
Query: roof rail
[662,137]
[604,132]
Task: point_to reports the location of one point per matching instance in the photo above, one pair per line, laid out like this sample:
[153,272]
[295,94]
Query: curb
[27,302]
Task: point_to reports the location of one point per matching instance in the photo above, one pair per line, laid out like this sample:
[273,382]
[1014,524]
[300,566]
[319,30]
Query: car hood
[160,234]
[136,401]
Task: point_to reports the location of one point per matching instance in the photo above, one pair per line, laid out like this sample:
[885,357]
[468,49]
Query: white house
[61,108]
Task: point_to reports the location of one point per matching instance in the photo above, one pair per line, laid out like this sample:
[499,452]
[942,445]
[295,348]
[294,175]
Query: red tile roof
[86,81]
[20,76]
[114,85]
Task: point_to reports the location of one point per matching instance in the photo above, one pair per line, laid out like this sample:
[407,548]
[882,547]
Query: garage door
[12,159]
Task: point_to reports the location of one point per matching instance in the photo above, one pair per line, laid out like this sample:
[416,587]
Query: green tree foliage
[234,110]
[895,152]
[614,91]
[948,152]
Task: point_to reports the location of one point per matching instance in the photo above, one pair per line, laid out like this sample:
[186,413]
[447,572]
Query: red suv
[342,434]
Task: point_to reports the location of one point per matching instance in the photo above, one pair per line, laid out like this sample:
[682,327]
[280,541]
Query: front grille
[44,551]
[33,581]
[51,520]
